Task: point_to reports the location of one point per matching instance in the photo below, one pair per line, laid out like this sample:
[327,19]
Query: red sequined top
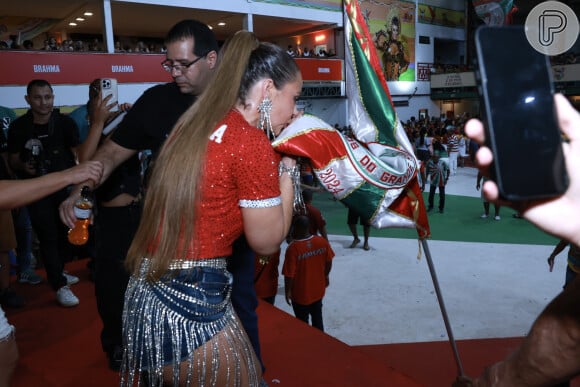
[241,170]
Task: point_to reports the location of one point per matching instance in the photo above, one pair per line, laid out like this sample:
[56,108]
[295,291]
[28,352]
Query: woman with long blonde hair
[216,178]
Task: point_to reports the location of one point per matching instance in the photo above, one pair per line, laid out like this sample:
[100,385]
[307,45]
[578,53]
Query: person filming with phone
[550,353]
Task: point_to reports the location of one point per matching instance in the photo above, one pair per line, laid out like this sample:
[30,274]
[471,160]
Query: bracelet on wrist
[294,174]
[292,171]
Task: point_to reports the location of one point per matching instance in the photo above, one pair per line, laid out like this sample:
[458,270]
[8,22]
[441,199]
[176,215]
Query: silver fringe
[225,359]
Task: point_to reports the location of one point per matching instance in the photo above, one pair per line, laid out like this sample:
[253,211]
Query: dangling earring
[265,124]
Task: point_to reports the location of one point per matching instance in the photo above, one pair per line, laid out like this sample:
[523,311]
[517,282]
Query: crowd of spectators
[83,45]
[309,52]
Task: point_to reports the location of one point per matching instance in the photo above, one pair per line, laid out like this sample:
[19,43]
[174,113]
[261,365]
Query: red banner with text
[20,67]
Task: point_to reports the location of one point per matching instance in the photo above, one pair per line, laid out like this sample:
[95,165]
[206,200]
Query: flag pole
[442,306]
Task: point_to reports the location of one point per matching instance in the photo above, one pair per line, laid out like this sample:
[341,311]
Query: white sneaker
[66,297]
[70,279]
[484,216]
[497,217]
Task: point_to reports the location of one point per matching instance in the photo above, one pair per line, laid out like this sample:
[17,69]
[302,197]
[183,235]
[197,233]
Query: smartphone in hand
[517,104]
[109,87]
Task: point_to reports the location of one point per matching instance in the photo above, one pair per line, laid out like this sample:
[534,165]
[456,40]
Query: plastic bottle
[79,234]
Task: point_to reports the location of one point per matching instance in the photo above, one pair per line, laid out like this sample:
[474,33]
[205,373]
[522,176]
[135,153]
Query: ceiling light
[72,24]
[210,27]
[88,13]
[80,19]
[221,24]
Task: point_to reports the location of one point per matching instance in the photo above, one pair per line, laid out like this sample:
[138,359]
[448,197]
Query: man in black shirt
[190,59]
[40,142]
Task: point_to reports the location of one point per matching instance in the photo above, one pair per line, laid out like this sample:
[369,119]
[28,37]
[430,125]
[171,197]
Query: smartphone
[109,87]
[516,93]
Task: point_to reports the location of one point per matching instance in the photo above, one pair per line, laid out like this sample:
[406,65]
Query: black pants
[114,232]
[52,236]
[441,196]
[314,310]
[244,300]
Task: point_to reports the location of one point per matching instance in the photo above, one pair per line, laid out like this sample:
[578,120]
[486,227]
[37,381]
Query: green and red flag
[374,172]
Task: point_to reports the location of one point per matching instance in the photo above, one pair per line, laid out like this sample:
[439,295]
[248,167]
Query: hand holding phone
[518,113]
[109,87]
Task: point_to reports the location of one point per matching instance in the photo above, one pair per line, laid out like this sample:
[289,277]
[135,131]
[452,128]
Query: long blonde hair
[167,225]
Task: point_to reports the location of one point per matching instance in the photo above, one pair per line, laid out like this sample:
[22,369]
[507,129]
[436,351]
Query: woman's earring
[265,124]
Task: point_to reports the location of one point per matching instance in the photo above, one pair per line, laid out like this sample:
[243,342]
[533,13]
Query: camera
[33,155]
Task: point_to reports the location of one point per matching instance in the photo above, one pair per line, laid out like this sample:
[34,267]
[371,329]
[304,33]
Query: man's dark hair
[37,83]
[204,40]
[301,226]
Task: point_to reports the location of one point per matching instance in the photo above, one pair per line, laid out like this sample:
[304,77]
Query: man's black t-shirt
[56,139]
[150,120]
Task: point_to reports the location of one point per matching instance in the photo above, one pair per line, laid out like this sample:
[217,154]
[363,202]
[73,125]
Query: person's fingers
[568,117]
[474,129]
[490,191]
[484,157]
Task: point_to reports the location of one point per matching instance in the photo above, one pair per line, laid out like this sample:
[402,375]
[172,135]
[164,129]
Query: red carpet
[60,347]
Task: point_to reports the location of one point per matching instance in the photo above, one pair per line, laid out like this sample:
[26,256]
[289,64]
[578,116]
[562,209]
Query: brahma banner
[375,173]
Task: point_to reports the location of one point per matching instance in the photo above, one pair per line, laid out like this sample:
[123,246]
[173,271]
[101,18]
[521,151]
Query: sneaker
[9,299]
[66,297]
[497,217]
[441,211]
[29,277]
[355,242]
[366,247]
[484,216]
[70,279]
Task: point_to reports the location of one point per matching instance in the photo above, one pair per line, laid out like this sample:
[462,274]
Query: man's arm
[550,354]
[557,250]
[111,155]
[288,283]
[479,177]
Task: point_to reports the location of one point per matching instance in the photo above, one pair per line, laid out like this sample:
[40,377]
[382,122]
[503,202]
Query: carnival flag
[375,173]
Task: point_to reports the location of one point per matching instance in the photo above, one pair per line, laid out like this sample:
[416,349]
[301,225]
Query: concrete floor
[386,295]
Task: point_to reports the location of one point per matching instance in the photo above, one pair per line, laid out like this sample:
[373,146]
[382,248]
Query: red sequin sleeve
[257,170]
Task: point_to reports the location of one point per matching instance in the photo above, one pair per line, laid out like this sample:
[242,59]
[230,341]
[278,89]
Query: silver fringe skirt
[182,329]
